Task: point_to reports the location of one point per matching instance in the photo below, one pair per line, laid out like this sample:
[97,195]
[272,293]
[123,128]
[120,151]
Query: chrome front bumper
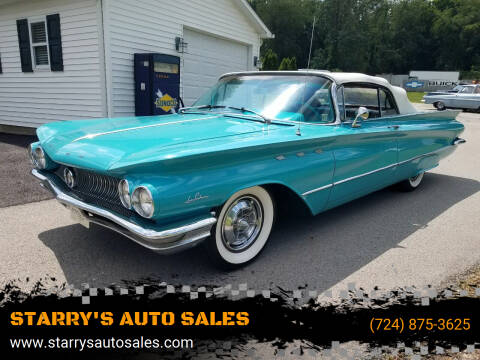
[458,141]
[164,241]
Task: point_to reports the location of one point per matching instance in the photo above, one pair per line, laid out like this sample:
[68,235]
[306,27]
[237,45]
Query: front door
[365,156]
[468,98]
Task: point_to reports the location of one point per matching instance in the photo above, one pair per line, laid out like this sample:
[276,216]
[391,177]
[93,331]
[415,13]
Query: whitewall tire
[243,227]
[412,183]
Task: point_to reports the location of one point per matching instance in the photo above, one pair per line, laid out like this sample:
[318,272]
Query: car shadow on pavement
[315,251]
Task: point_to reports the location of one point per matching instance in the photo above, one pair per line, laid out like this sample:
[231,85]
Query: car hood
[105,144]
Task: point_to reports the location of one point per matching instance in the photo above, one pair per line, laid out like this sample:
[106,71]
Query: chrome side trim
[91,136]
[347,179]
[419,156]
[317,189]
[168,240]
[364,174]
[376,170]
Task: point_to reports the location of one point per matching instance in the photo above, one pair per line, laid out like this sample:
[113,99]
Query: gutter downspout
[105,48]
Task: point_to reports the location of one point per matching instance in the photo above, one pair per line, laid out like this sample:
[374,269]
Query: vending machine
[157,84]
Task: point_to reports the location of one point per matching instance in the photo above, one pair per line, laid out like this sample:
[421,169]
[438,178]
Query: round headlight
[143,202]
[30,154]
[39,158]
[124,193]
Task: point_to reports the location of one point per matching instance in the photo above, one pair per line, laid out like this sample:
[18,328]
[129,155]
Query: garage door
[209,57]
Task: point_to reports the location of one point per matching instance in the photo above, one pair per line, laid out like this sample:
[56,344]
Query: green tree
[270,60]
[288,64]
[290,21]
[374,36]
[411,35]
[293,63]
[284,64]
[341,35]
[456,29]
[472,74]
[319,59]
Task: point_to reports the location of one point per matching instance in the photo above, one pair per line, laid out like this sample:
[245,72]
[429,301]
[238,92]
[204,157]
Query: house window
[39,44]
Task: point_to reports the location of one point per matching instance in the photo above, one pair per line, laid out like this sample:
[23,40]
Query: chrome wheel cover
[242,223]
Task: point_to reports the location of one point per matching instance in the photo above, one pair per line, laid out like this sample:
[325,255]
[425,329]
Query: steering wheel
[318,115]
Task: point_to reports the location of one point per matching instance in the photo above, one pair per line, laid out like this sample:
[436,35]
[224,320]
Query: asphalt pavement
[16,185]
[385,239]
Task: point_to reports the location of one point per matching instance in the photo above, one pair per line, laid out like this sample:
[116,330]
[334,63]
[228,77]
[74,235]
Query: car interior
[378,101]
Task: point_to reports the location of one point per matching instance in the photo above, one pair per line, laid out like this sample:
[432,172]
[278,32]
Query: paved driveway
[387,239]
[16,186]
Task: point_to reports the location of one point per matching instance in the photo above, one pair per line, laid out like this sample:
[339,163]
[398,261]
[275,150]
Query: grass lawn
[415,97]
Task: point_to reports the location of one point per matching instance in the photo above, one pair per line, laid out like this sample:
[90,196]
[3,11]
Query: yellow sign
[166,103]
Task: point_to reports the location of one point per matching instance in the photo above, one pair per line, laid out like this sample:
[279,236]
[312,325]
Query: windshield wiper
[200,107]
[210,107]
[243,109]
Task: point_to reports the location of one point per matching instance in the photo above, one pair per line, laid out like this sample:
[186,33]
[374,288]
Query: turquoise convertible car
[214,172]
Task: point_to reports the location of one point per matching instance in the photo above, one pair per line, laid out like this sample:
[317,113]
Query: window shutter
[55,42]
[24,44]
[1,64]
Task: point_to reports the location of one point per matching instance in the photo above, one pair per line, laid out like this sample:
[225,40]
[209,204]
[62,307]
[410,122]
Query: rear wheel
[411,183]
[243,228]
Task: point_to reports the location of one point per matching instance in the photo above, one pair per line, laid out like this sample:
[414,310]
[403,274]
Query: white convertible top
[403,104]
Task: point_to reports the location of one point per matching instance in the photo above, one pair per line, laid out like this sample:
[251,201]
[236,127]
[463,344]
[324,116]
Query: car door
[448,99]
[467,99]
[365,156]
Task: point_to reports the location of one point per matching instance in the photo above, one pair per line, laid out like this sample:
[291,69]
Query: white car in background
[467,99]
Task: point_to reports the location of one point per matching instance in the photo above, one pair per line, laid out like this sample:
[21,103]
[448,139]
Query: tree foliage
[375,36]
[288,64]
[270,60]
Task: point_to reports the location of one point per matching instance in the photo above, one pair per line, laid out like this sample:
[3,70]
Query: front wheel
[243,228]
[411,183]
[440,106]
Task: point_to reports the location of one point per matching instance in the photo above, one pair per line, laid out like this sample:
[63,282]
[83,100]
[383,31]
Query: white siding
[31,99]
[209,57]
[152,25]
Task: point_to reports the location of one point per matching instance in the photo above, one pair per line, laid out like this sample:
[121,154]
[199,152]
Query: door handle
[394,127]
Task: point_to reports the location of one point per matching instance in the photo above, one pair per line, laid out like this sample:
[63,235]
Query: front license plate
[78,216]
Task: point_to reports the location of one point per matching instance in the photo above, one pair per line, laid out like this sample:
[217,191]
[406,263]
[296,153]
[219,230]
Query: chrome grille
[101,186]
[97,189]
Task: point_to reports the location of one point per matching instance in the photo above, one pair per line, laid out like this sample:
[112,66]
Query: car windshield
[458,88]
[276,97]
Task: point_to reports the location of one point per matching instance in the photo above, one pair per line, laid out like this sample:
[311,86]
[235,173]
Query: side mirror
[362,113]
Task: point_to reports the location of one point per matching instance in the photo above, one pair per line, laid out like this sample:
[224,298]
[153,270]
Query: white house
[73,59]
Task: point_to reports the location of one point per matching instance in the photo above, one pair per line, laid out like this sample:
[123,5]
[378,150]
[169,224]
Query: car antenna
[311,42]
[299,133]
